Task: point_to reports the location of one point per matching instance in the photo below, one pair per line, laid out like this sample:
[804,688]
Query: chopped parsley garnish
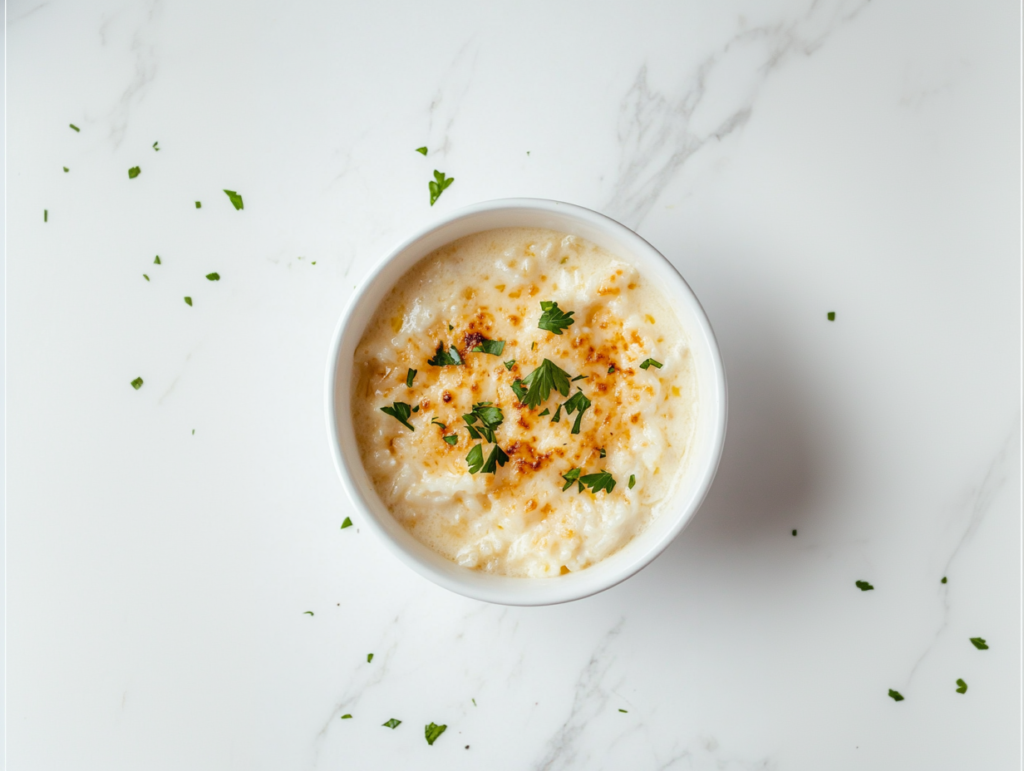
[438,185]
[570,477]
[156,261]
[611,369]
[598,482]
[943,579]
[651,363]
[547,376]
[66,169]
[400,412]
[213,276]
[433,731]
[493,347]
[409,377]
[895,695]
[436,422]
[74,127]
[490,418]
[346,716]
[199,205]
[579,401]
[392,723]
[831,315]
[137,383]
[369,657]
[961,686]
[542,414]
[632,481]
[476,461]
[558,414]
[346,523]
[236,200]
[145,277]
[452,440]
[509,364]
[188,301]
[133,172]
[578,377]
[533,346]
[979,643]
[520,391]
[864,586]
[155,146]
[421,150]
[308,613]
[554,319]
[603,453]
[443,358]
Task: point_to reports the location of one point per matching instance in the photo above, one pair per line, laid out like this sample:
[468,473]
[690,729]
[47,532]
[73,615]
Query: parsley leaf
[307,613]
[632,481]
[137,383]
[156,260]
[558,415]
[346,717]
[236,200]
[554,319]
[155,146]
[145,277]
[598,482]
[864,586]
[133,172]
[520,391]
[496,458]
[493,347]
[442,358]
[452,440]
[979,643]
[509,364]
[831,315]
[188,301]
[571,476]
[346,523]
[490,418]
[66,169]
[579,401]
[794,533]
[895,695]
[622,710]
[400,412]
[438,185]
[542,414]
[409,377]
[199,205]
[46,215]
[475,458]
[433,731]
[74,127]
[611,369]
[435,422]
[651,363]
[421,150]
[943,580]
[603,453]
[369,657]
[213,276]
[392,723]
[962,686]
[547,376]
[578,377]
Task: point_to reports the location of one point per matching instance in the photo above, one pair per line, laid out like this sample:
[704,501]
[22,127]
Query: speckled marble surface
[790,157]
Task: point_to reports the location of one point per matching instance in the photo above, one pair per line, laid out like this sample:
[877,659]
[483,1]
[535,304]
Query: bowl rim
[547,591]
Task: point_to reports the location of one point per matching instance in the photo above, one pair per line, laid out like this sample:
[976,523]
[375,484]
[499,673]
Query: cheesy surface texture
[519,521]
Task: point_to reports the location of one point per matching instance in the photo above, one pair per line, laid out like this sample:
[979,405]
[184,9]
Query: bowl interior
[705,449]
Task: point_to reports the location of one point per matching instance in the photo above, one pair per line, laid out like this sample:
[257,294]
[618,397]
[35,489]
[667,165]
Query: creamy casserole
[524,402]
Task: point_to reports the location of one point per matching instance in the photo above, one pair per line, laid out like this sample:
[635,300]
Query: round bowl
[707,443]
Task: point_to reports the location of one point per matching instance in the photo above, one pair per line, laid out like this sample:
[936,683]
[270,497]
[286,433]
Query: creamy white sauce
[519,521]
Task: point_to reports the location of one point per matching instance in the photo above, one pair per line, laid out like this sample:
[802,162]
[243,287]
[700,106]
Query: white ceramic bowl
[705,452]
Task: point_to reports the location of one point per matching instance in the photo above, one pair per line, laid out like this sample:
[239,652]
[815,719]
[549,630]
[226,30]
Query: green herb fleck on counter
[369,657]
[236,199]
[133,172]
[831,315]
[346,716]
[438,185]
[961,686]
[74,127]
[188,301]
[307,613]
[895,695]
[864,586]
[137,383]
[432,731]
[392,723]
[421,150]
[979,643]
[346,523]
[213,276]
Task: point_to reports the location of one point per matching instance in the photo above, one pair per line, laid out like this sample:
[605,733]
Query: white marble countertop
[790,157]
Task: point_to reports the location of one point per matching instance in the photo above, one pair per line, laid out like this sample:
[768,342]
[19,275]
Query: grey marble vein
[658,133]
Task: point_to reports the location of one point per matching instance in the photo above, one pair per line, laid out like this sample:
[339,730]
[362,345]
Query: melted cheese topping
[518,521]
